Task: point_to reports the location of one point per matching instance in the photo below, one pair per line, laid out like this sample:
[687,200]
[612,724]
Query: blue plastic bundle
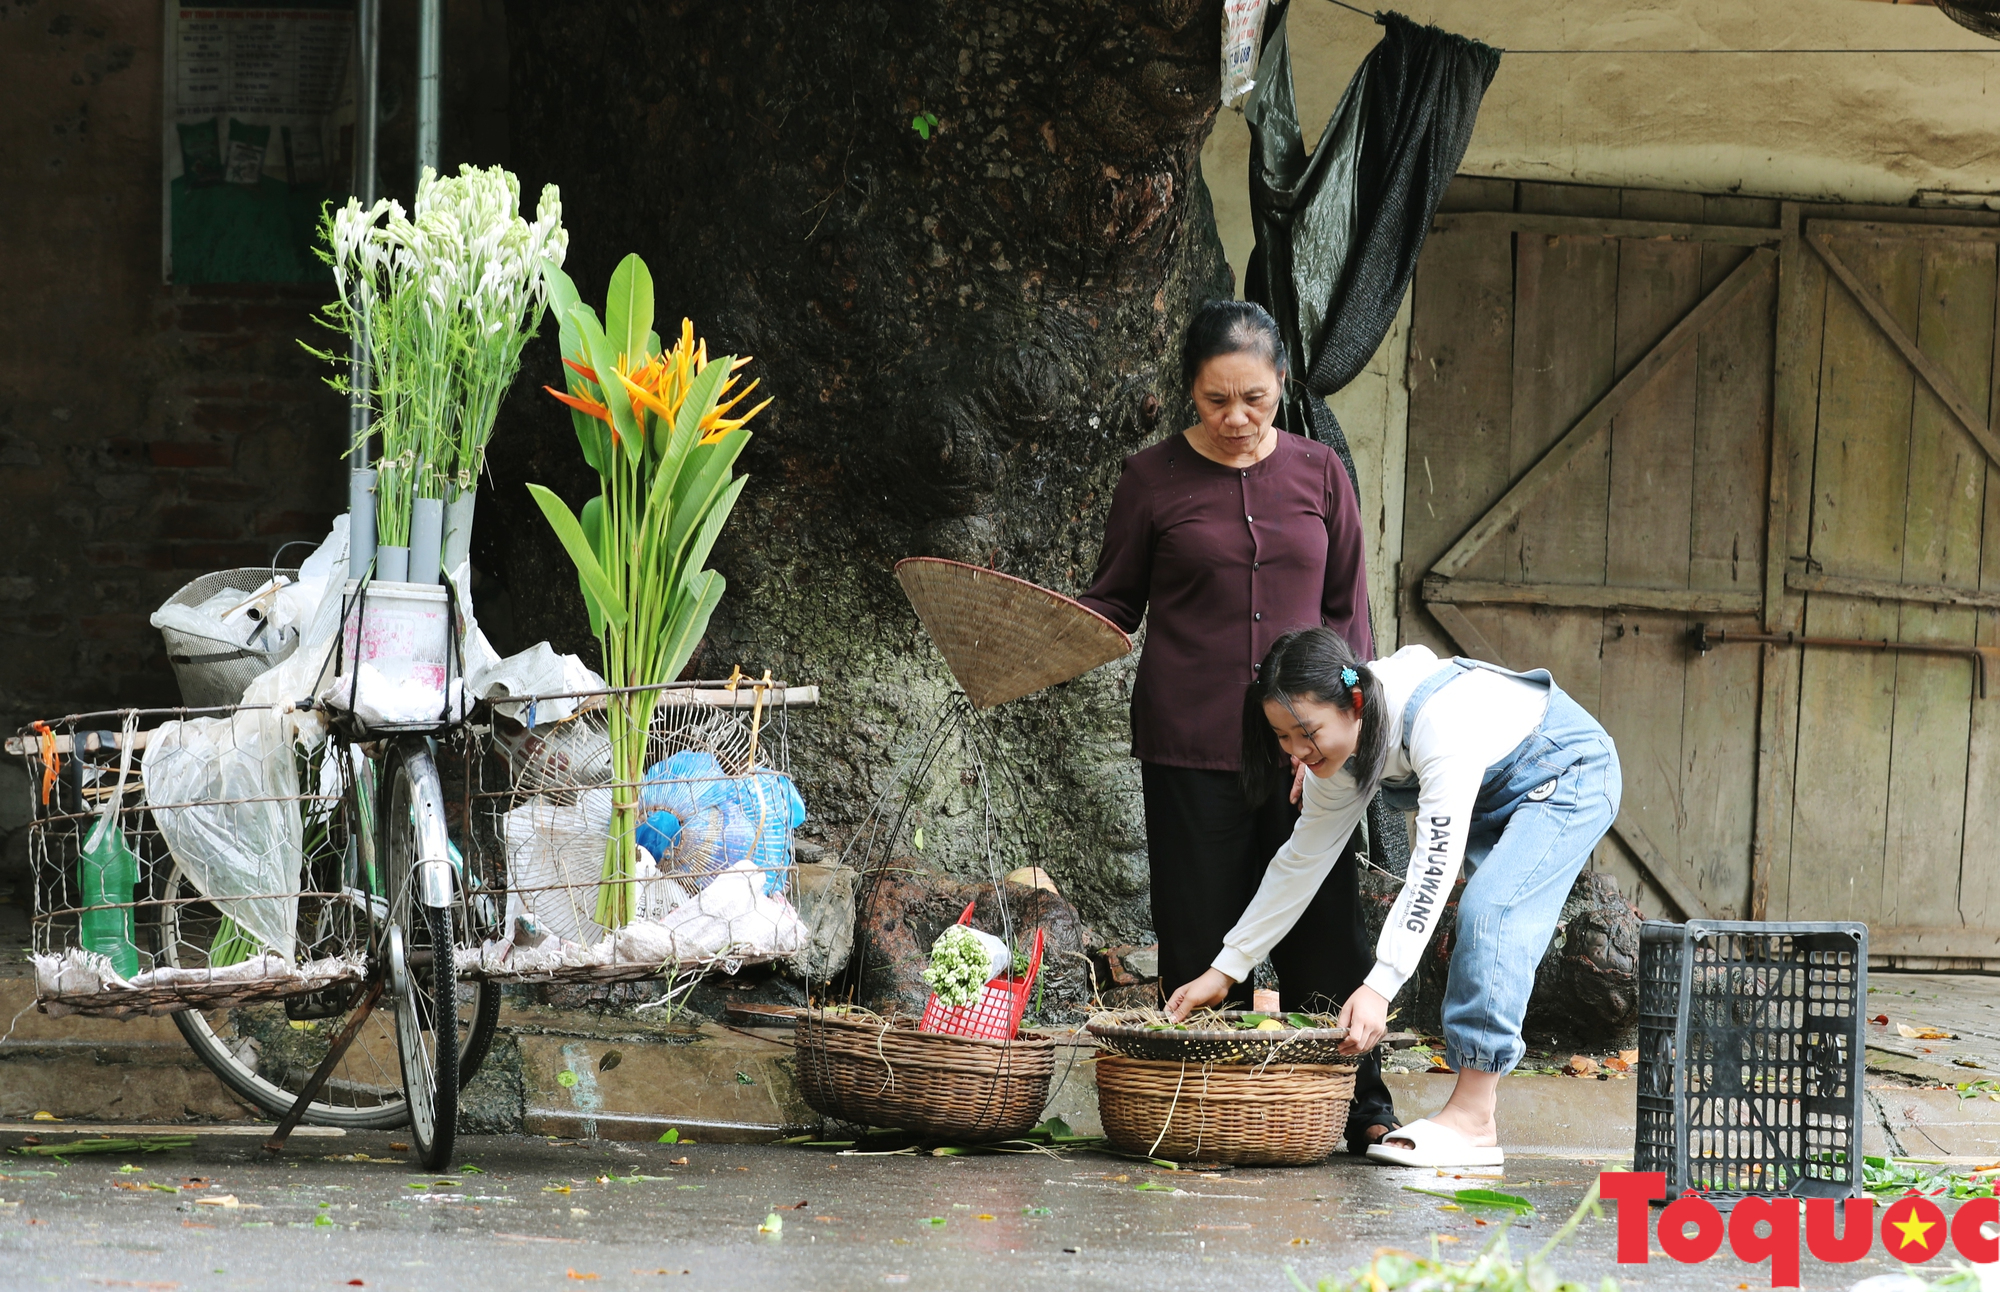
[725,819]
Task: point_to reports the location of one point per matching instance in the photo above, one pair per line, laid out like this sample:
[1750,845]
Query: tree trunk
[965,333]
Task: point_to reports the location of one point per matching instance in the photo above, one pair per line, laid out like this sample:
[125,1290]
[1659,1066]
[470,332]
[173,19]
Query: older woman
[1225,537]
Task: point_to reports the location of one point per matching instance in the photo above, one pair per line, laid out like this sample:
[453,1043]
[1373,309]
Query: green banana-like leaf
[703,393]
[691,621]
[700,487]
[563,296]
[628,309]
[589,571]
[604,360]
[711,526]
[591,521]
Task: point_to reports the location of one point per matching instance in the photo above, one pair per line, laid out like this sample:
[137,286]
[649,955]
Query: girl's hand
[1209,989]
[1298,780]
[1366,1018]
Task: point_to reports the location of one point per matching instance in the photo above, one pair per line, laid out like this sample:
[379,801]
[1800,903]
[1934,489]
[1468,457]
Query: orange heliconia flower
[660,386]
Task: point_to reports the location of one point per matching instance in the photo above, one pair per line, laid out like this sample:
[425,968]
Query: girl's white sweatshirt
[1469,724]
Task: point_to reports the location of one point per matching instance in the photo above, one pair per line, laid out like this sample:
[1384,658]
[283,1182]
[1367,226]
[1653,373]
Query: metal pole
[367,100]
[430,55]
[368,41]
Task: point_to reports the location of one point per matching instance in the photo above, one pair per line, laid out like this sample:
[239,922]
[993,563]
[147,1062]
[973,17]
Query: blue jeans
[1539,813]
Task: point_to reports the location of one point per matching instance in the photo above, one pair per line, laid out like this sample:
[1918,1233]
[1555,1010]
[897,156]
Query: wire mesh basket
[212,670]
[701,869]
[199,862]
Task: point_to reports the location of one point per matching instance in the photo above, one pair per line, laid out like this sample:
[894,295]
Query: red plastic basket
[996,1013]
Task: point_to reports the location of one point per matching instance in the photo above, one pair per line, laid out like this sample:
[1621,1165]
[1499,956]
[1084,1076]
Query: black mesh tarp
[1338,231]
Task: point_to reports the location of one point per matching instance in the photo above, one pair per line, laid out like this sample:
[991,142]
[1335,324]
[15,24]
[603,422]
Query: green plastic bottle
[108,873]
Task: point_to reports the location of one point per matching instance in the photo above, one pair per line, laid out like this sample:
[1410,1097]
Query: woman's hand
[1298,780]
[1366,1018]
[1209,989]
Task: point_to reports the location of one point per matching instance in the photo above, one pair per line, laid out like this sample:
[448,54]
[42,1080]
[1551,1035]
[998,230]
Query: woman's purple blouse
[1221,562]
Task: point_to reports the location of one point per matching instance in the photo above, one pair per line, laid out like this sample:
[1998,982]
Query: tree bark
[965,334]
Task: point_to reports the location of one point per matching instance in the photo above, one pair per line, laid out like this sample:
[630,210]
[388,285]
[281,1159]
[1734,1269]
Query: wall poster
[259,134]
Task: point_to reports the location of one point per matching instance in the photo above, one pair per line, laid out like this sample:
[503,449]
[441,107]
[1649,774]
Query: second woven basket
[886,1073]
[1275,1115]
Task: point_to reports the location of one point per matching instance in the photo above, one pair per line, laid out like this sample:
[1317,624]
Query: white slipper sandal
[1434,1145]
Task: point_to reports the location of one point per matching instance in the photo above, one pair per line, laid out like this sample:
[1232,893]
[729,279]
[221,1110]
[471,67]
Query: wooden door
[1589,445]
[1894,783]
[1600,382]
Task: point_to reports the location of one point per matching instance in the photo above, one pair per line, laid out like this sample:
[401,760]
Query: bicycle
[374,895]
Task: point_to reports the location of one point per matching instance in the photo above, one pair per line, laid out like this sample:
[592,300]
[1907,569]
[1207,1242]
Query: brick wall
[147,433]
[151,433]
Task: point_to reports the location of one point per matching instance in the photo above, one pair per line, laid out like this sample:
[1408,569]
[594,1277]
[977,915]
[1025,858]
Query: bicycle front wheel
[265,1052]
[423,977]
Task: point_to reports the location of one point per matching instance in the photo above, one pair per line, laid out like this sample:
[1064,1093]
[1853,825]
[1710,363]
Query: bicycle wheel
[423,977]
[265,1052]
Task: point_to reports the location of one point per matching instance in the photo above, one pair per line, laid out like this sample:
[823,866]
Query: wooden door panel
[1461,386]
[1847,698]
[1890,762]
[1630,360]
[1941,545]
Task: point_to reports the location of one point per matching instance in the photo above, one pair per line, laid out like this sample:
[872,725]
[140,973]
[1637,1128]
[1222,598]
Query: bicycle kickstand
[376,982]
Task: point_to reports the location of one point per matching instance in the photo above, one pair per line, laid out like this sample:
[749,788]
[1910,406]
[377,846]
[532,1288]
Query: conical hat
[1004,637]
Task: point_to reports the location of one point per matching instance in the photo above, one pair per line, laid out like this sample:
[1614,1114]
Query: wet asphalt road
[549,1214]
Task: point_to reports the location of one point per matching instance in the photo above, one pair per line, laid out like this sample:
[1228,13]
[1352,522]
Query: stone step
[100,1069]
[577,1074]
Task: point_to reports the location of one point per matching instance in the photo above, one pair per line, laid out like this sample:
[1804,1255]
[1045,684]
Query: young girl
[1508,775]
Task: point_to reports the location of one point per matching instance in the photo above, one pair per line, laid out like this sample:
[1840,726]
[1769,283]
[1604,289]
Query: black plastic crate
[1750,1057]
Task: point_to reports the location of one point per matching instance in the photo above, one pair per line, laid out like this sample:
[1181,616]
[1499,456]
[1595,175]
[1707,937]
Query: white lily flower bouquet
[440,301]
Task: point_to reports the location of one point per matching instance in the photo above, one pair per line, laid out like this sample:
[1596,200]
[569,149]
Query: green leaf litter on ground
[150,1144]
[672,1136]
[1513,1202]
[1492,1270]
[1897,1175]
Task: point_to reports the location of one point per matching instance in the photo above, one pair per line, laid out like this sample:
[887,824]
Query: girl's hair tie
[1348,677]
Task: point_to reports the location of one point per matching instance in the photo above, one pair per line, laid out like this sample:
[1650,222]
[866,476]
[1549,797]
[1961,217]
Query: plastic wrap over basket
[236,832]
[1004,637]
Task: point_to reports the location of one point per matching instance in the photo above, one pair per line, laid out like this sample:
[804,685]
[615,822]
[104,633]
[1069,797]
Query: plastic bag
[772,804]
[1242,39]
[708,821]
[315,607]
[224,796]
[535,671]
[732,916]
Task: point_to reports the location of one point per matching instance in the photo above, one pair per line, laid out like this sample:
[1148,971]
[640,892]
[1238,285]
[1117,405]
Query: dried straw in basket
[1224,1112]
[1004,637]
[884,1072]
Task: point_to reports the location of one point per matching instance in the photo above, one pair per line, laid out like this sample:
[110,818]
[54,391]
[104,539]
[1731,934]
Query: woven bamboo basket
[1289,1115]
[883,1072]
